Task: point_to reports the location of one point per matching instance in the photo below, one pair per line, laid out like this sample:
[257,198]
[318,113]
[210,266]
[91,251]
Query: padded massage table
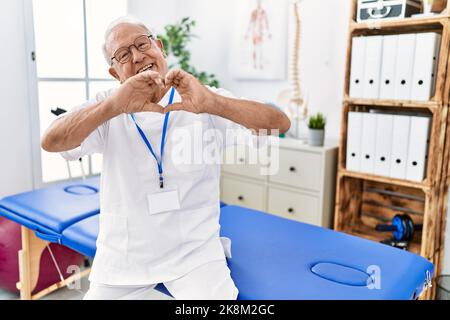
[272,257]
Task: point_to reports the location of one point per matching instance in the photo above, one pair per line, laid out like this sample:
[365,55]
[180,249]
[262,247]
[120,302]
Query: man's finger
[175,83]
[152,107]
[166,86]
[151,77]
[174,76]
[174,73]
[174,107]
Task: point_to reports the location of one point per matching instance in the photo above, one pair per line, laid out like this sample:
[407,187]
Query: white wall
[322,53]
[15,137]
[156,14]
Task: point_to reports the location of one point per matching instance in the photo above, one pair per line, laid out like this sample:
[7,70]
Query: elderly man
[159,220]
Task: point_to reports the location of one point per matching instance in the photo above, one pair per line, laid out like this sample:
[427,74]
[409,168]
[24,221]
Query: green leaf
[317,121]
[175,41]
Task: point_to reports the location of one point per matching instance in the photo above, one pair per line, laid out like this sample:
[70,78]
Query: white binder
[436,64]
[383,144]
[387,77]
[369,127]
[399,150]
[372,67]
[425,60]
[353,154]
[357,67]
[418,146]
[404,66]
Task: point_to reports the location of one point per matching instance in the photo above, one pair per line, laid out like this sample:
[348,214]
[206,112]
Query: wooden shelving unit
[430,105]
[365,200]
[382,179]
[394,26]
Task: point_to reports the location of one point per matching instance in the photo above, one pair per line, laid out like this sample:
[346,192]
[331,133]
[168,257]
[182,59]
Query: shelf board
[407,24]
[363,231]
[409,104]
[399,182]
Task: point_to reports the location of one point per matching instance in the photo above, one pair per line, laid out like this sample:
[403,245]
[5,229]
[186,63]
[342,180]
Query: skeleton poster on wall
[259,43]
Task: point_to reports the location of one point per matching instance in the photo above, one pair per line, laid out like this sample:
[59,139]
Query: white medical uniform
[136,248]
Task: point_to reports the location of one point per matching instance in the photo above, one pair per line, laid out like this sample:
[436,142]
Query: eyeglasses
[141,43]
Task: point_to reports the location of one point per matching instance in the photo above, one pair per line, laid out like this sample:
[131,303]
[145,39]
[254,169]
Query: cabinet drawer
[242,193]
[299,169]
[244,161]
[293,205]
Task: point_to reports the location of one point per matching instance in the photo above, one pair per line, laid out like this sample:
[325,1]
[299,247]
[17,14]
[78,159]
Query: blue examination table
[272,257]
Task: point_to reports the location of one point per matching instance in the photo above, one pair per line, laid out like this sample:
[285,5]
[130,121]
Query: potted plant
[316,132]
[175,40]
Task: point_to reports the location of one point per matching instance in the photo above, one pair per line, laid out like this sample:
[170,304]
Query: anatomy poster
[260,39]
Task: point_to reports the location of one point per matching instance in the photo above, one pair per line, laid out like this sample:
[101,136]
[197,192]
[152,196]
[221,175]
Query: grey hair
[123,19]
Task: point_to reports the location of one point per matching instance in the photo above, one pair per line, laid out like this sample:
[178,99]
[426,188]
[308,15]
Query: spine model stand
[295,106]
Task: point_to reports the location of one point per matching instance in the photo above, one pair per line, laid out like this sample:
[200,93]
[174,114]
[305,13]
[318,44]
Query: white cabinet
[294,205]
[246,194]
[300,184]
[243,160]
[299,169]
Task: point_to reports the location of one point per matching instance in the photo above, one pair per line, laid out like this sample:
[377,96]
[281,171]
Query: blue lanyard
[149,146]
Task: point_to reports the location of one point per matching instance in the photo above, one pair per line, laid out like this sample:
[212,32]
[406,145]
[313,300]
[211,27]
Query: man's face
[124,35]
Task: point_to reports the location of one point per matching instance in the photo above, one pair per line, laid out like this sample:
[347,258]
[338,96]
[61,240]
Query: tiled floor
[72,294]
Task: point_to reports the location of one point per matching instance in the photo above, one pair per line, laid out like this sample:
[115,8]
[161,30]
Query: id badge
[163,200]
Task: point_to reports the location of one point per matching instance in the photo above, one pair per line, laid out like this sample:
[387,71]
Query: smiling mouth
[147,67]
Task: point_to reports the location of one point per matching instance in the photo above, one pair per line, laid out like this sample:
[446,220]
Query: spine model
[296,107]
[296,97]
[291,100]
